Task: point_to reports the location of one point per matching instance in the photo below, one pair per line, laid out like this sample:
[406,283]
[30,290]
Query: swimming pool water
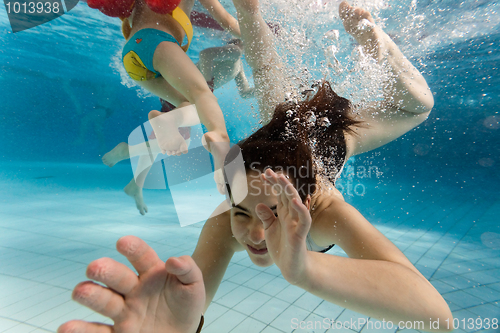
[434,192]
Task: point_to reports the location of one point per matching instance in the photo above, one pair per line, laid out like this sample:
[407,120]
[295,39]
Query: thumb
[184,268]
[265,214]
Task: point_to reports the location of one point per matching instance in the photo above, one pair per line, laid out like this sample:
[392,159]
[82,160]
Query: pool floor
[56,218]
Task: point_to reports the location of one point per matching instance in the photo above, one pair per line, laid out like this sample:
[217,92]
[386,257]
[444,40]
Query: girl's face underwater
[246,226]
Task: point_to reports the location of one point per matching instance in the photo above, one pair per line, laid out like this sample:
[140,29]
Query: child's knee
[154,113]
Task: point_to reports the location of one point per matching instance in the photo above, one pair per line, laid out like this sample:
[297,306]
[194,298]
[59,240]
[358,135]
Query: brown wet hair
[303,139]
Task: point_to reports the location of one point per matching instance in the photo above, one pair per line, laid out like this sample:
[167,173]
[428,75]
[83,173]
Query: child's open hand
[286,233]
[164,297]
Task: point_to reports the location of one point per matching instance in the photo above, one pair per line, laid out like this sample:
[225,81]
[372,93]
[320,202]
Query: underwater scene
[402,233]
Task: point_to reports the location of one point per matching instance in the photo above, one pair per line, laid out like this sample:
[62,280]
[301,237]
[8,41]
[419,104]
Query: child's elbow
[428,102]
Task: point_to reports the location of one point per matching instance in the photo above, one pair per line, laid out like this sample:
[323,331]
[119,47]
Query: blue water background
[457,145]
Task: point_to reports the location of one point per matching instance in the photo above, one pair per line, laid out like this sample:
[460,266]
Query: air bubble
[311,118]
[325,122]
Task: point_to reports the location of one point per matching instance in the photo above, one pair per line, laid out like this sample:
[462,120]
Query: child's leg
[261,55]
[179,71]
[119,153]
[136,192]
[165,126]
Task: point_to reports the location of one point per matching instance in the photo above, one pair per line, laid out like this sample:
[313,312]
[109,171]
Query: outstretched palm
[286,233]
[163,297]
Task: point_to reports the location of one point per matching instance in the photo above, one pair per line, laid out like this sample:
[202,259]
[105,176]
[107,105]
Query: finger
[113,274]
[79,326]
[140,254]
[271,178]
[185,269]
[101,300]
[265,214]
[304,223]
[289,191]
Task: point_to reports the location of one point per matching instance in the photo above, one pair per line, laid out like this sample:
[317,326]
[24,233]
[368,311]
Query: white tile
[484,293]
[486,311]
[232,270]
[15,289]
[290,294]
[249,325]
[270,329]
[339,329]
[329,310]
[235,296]
[274,286]
[352,320]
[442,287]
[213,312]
[308,301]
[51,302]
[53,314]
[5,324]
[225,323]
[32,301]
[462,298]
[270,310]
[312,324]
[244,276]
[80,313]
[20,328]
[224,288]
[259,280]
[252,303]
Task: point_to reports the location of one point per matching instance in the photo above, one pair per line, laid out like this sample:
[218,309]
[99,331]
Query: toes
[344,10]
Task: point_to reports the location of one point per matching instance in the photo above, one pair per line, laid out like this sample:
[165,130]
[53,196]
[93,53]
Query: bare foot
[136,192]
[218,146]
[357,22]
[117,154]
[166,131]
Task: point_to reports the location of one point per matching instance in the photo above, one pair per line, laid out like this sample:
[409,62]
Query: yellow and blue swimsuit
[138,52]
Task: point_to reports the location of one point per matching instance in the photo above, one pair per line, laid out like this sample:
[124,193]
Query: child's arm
[214,251]
[407,100]
[376,280]
[220,14]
